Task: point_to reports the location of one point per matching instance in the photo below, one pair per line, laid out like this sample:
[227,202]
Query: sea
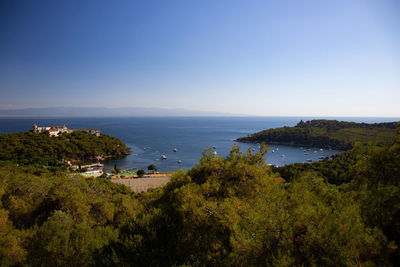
[182,140]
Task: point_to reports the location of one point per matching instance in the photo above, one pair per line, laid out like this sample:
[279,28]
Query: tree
[140,173]
[152,167]
[116,170]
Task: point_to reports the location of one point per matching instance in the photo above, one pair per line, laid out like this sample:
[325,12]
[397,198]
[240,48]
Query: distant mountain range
[106,112]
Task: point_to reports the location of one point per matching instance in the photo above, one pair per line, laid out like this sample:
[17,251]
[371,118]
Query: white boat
[175,149]
[283,155]
[179,161]
[321,149]
[163,157]
[215,153]
[273,151]
[277,149]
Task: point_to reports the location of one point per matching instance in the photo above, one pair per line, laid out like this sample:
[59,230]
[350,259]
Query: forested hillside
[232,211]
[326,133]
[29,148]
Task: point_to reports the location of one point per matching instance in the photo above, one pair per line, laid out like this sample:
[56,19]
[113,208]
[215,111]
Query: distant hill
[106,112]
[326,133]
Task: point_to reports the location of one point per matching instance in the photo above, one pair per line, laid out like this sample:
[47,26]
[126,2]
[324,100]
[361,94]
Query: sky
[264,58]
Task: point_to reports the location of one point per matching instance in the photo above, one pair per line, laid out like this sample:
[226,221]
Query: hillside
[29,148]
[326,133]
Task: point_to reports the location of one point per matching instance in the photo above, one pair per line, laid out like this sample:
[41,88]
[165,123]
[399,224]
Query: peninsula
[57,146]
[333,134]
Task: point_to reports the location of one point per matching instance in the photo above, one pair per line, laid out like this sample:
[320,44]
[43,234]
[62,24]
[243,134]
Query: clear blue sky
[317,58]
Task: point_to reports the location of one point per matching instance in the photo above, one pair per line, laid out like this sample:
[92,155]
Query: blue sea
[150,138]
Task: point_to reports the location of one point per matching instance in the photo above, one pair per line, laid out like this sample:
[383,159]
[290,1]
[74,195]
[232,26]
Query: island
[340,135]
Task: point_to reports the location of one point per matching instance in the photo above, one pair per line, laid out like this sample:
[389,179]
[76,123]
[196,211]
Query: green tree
[140,173]
[116,170]
[152,167]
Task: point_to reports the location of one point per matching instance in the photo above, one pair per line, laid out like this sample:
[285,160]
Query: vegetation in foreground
[223,212]
[334,134]
[40,149]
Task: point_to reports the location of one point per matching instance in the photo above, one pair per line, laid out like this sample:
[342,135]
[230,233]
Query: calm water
[149,138]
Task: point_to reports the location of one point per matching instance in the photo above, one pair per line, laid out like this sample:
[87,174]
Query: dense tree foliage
[59,219]
[29,148]
[326,133]
[336,170]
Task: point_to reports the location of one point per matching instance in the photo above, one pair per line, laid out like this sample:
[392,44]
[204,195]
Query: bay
[151,137]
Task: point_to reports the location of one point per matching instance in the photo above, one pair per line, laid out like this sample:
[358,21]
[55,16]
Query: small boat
[283,155]
[273,151]
[321,157]
[309,160]
[179,161]
[175,149]
[315,151]
[215,153]
[214,147]
[163,157]
[277,149]
[321,149]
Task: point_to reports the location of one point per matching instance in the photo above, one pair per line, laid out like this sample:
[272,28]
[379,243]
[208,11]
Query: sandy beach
[142,184]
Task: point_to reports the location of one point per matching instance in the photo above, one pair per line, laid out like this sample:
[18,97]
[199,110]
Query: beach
[142,184]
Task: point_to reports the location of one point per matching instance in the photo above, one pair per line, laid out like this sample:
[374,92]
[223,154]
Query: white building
[56,130]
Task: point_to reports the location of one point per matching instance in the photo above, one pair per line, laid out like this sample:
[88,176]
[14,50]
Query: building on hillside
[95,167]
[56,130]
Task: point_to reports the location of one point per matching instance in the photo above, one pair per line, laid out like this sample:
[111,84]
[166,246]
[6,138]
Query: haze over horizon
[264,58]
